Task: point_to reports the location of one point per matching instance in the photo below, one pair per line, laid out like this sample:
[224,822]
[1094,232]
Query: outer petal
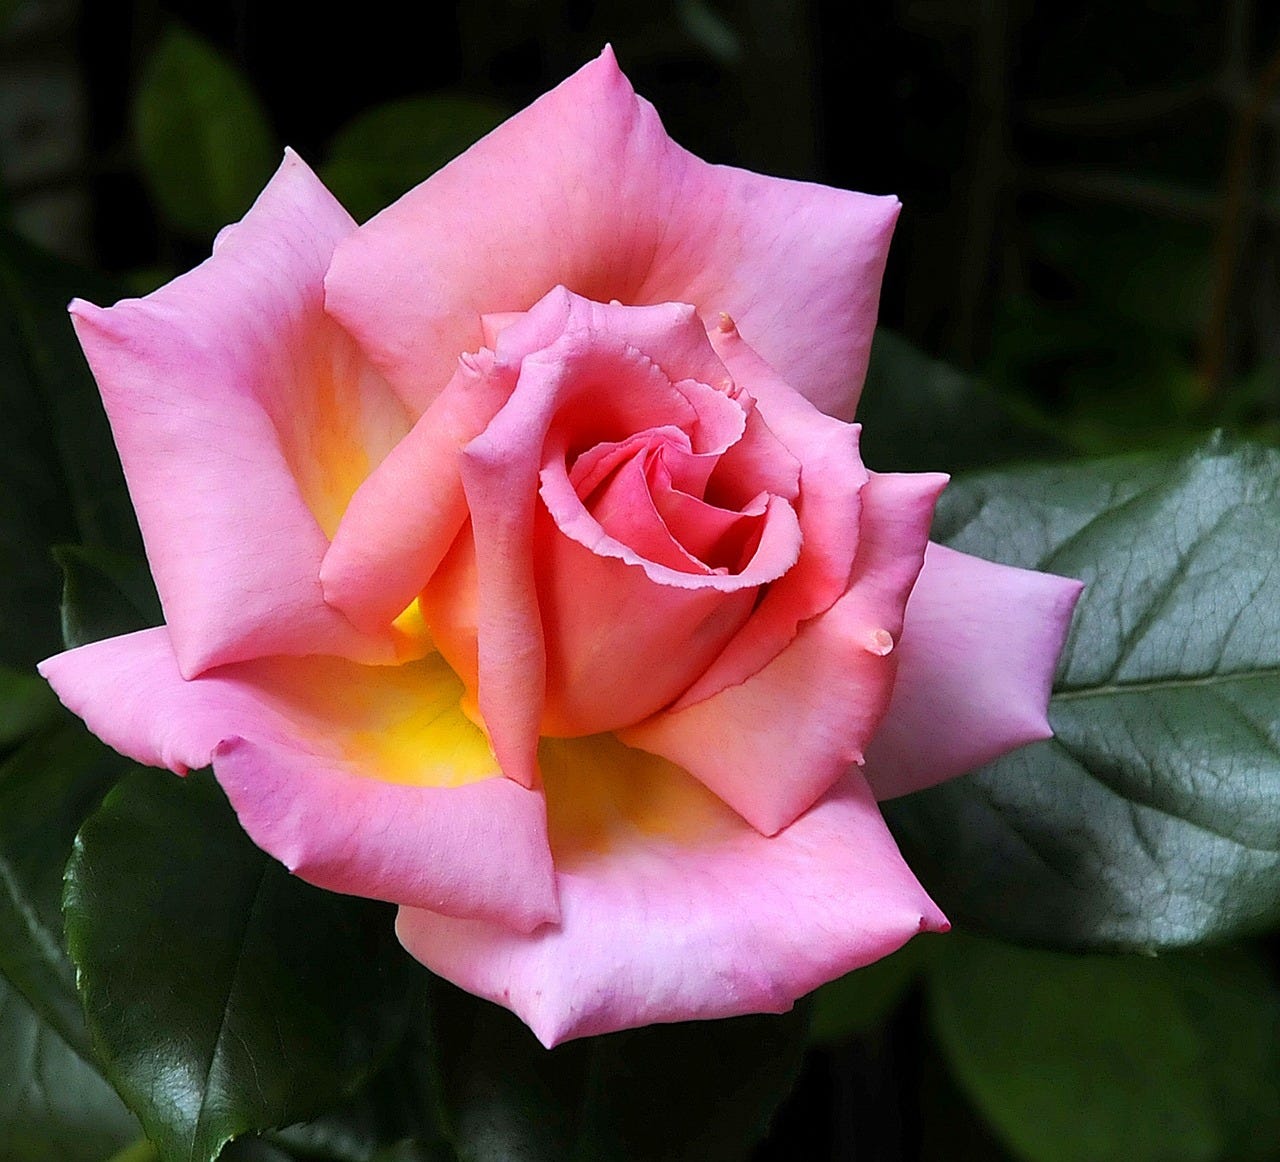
[585,189]
[975,668]
[245,418]
[672,909]
[363,780]
[771,746]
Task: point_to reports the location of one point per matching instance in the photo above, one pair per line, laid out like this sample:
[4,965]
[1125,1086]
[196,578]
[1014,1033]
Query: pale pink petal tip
[975,670]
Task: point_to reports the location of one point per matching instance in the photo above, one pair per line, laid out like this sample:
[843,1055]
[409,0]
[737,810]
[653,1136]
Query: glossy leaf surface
[1152,819]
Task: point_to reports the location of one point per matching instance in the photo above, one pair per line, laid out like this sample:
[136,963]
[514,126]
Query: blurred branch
[988,180]
[1233,227]
[1120,114]
[1122,187]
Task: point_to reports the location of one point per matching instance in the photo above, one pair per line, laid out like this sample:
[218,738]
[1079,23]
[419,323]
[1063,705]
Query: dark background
[1090,189]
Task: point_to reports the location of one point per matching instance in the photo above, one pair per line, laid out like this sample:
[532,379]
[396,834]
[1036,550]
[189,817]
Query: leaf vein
[216,1052]
[1153,685]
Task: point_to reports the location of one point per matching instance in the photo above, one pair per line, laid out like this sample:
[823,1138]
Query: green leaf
[388,150]
[1152,819]
[1107,1057]
[53,1107]
[104,594]
[253,1150]
[399,1104]
[703,1091]
[222,994]
[920,415]
[26,705]
[139,1151]
[203,137]
[48,787]
[861,1000]
[60,479]
[408,1151]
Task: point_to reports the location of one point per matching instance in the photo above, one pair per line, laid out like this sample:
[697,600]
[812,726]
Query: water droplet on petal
[880,642]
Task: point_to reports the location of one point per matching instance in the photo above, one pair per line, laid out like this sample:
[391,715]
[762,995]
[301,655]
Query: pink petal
[478,850]
[588,373]
[585,189]
[975,669]
[672,909]
[245,419]
[360,779]
[831,483]
[619,644]
[511,661]
[594,466]
[641,529]
[625,509]
[772,746]
[667,335]
[403,518]
[718,538]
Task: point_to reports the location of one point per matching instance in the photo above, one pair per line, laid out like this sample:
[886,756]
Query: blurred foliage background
[1091,228]
[1090,190]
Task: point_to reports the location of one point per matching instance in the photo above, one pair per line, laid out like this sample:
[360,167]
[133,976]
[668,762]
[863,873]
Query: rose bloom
[519,568]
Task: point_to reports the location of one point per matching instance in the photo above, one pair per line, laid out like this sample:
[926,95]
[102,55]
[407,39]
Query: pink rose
[562,618]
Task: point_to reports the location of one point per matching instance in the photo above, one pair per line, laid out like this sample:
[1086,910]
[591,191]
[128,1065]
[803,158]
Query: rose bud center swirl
[663,510]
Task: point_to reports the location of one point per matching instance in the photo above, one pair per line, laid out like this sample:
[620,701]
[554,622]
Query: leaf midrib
[199,1145]
[1156,685]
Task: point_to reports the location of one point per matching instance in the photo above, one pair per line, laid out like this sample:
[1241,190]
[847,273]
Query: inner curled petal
[638,504]
[624,523]
[631,613]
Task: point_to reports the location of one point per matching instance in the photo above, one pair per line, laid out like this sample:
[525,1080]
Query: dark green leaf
[710,31]
[104,594]
[222,994]
[919,415]
[1114,1057]
[26,705]
[47,789]
[399,1104]
[60,479]
[203,137]
[253,1150]
[53,1107]
[951,1128]
[390,149]
[415,1152]
[139,1151]
[1153,818]
[859,1001]
[703,1091]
